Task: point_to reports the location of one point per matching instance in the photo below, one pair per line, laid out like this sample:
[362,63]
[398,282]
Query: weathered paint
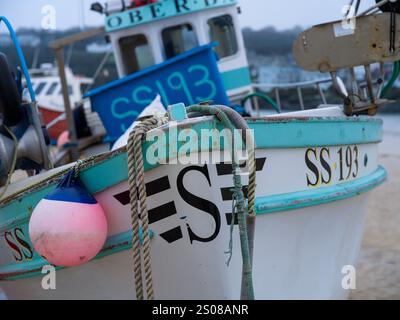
[295,200]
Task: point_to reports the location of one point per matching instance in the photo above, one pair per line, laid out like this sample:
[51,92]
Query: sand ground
[378,270]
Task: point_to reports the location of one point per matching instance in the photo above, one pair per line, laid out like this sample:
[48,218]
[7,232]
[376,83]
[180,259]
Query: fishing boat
[314,171]
[47,86]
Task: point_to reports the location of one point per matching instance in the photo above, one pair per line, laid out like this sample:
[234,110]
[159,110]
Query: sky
[255,13]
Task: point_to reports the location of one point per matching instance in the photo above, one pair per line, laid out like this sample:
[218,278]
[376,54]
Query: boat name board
[325,165]
[196,84]
[160,10]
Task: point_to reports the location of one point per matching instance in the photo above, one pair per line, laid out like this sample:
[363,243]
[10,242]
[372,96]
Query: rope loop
[139,213]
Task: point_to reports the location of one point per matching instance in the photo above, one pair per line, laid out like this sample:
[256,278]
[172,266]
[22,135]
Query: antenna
[82,15]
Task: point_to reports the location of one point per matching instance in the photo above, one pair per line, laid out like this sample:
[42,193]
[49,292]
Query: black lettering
[312,167]
[20,237]
[199,203]
[326,165]
[340,152]
[210,2]
[135,16]
[181,5]
[10,241]
[114,22]
[355,174]
[156,10]
[172,235]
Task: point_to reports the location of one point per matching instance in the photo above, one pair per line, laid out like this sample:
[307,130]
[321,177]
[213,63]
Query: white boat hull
[298,255]
[310,205]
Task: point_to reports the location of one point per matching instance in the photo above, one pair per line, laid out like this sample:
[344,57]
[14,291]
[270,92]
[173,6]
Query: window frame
[208,33]
[149,44]
[53,88]
[42,85]
[176,24]
[70,90]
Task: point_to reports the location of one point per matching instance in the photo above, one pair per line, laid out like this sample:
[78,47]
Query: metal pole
[381,81]
[354,81]
[321,93]
[370,86]
[300,94]
[278,99]
[67,104]
[381,3]
[256,105]
[336,85]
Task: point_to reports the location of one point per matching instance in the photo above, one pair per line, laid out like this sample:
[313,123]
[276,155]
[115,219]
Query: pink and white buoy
[68,227]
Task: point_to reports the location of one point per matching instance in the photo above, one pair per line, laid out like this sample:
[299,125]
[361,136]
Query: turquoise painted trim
[23,270]
[263,205]
[159,11]
[280,133]
[177,112]
[270,134]
[236,79]
[313,197]
[114,244]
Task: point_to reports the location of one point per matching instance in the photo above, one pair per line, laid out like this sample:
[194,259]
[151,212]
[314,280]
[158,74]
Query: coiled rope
[139,213]
[245,214]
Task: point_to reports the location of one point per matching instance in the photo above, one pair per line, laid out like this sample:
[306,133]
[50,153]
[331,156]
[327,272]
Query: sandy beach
[378,270]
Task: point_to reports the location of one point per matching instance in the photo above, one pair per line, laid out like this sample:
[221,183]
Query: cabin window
[40,87]
[136,53]
[178,39]
[70,91]
[85,87]
[222,29]
[52,88]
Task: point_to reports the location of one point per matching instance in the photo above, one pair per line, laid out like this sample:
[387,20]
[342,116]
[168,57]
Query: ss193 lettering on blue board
[189,78]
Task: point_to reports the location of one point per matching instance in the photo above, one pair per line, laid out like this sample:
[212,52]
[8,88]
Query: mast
[82,15]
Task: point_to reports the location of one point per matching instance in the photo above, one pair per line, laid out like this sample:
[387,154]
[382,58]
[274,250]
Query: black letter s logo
[313,168]
[199,203]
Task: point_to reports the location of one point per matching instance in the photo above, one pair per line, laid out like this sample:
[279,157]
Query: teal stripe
[114,244]
[263,205]
[236,79]
[313,197]
[282,133]
[271,133]
[311,132]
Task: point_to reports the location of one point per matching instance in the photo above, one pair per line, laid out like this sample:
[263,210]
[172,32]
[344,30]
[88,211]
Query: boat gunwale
[89,163]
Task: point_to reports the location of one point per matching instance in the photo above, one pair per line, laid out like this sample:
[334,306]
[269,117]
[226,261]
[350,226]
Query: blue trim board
[140,74]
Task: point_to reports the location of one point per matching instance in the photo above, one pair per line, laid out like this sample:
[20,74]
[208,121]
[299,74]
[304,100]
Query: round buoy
[68,227]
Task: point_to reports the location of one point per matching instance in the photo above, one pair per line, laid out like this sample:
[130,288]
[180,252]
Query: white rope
[139,213]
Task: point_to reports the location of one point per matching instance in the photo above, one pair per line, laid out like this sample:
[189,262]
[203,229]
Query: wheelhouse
[150,34]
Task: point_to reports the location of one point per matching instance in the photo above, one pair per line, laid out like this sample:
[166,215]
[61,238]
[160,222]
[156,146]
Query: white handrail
[292,84]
